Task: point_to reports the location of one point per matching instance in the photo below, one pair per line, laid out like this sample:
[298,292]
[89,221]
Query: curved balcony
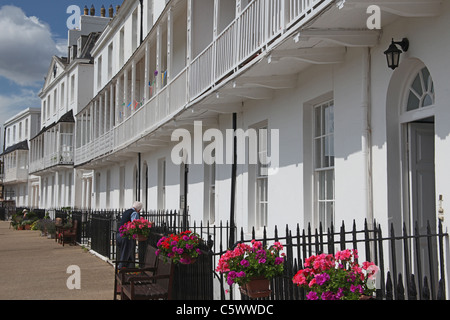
[249,34]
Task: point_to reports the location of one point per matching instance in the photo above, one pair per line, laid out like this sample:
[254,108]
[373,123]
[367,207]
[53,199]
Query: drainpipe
[367,134]
[138,196]
[232,239]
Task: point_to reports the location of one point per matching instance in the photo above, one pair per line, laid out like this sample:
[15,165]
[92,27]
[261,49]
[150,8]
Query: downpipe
[367,135]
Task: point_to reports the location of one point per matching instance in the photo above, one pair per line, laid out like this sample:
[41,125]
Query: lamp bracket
[404,44]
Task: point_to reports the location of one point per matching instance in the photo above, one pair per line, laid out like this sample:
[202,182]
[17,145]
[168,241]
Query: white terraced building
[348,138]
[67,89]
[15,176]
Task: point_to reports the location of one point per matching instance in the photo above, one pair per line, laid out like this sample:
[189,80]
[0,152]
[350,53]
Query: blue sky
[31,32]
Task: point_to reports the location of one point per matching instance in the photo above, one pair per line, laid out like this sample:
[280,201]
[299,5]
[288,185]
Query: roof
[23,145]
[90,42]
[67,117]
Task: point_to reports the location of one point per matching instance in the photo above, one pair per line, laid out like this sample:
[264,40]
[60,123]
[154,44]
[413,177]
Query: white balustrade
[260,22]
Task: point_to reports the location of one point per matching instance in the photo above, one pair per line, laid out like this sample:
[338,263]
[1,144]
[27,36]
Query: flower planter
[141,237]
[256,288]
[180,248]
[186,259]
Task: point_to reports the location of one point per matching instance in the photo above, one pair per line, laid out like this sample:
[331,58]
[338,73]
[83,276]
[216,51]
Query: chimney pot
[86,11]
[102,11]
[92,10]
[111,11]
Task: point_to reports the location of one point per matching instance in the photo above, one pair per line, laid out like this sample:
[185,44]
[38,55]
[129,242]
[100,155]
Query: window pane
[328,152]
[318,153]
[417,86]
[413,102]
[330,184]
[321,186]
[318,121]
[329,214]
[329,120]
[426,78]
[427,101]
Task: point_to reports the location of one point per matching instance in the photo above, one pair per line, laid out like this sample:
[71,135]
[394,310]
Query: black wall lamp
[393,52]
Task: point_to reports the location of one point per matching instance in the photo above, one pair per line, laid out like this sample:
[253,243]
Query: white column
[111,107]
[118,106]
[133,85]
[169,43]
[147,71]
[188,45]
[158,57]
[106,108]
[126,98]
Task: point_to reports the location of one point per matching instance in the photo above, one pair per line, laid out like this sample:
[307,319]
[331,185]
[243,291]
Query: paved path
[34,267]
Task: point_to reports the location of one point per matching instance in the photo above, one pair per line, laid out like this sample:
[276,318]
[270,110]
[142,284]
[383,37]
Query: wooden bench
[157,286]
[69,235]
[146,268]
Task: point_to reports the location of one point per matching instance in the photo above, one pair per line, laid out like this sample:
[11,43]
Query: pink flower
[312,296]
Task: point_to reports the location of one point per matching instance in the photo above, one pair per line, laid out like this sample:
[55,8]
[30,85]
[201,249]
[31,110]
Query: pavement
[33,267]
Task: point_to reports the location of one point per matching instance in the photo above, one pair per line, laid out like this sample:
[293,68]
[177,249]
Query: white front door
[422,196]
[421,173]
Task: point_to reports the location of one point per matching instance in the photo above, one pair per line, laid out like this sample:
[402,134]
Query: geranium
[249,261]
[181,247]
[132,229]
[338,277]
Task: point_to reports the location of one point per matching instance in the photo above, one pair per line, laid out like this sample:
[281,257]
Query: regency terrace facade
[337,133]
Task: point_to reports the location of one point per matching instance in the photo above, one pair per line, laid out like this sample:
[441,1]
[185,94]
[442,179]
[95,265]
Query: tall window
[99,73]
[72,88]
[63,89]
[261,178]
[161,183]
[324,162]
[210,190]
[55,100]
[110,59]
[121,47]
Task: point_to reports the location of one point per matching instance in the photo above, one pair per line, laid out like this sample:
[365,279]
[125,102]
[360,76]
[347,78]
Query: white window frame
[323,163]
[261,177]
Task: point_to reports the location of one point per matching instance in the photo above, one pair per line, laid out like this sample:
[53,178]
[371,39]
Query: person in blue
[125,246]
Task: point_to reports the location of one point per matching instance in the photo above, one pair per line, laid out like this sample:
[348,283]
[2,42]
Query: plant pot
[28,227]
[141,237]
[257,288]
[187,259]
[19,227]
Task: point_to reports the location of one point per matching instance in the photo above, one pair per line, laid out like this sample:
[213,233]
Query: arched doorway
[410,121]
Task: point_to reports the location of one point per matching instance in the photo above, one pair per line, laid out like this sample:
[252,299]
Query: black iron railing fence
[411,262]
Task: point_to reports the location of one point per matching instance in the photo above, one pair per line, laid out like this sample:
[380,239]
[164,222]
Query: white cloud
[26,47]
[10,105]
